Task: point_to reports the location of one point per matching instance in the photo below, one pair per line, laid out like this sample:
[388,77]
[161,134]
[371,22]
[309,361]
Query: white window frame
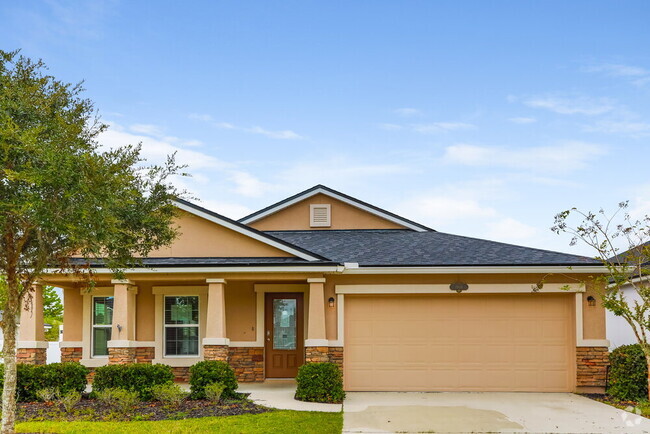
[166,326]
[93,326]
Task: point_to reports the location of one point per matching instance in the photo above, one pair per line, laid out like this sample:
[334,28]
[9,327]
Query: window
[182,326]
[319,216]
[102,325]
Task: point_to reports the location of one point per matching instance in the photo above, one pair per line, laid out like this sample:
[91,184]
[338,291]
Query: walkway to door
[279,394]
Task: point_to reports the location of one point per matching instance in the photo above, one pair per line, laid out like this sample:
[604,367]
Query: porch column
[31,345]
[316,344]
[122,346]
[215,343]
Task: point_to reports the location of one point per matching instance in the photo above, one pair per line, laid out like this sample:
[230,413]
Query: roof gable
[204,233]
[352,213]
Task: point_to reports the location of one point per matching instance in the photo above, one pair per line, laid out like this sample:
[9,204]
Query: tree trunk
[9,350]
[647,361]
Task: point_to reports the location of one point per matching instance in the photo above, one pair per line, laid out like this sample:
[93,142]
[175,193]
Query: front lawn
[280,421]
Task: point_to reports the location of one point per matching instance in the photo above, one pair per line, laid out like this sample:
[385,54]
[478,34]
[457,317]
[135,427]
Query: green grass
[281,421]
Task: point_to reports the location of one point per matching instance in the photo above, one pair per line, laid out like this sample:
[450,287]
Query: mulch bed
[615,402]
[94,410]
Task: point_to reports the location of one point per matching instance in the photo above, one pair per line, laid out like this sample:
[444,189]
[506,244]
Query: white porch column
[31,343]
[215,343]
[121,347]
[316,336]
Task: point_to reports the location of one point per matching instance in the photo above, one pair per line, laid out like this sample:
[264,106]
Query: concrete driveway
[485,412]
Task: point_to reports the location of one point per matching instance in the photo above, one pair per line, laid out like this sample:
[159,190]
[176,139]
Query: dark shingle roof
[410,248]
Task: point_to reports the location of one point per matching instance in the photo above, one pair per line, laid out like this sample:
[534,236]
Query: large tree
[622,244]
[62,194]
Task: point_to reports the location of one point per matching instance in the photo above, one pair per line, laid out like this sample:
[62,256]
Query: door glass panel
[284,324]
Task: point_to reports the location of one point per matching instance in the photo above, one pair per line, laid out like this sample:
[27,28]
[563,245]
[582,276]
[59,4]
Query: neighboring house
[322,276]
[619,332]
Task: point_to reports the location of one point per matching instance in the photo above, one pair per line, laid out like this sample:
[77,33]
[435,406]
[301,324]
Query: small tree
[52,312]
[622,244]
[62,195]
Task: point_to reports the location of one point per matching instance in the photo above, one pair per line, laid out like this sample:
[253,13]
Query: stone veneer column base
[215,352]
[592,363]
[248,363]
[121,356]
[71,354]
[316,354]
[181,374]
[31,356]
[144,354]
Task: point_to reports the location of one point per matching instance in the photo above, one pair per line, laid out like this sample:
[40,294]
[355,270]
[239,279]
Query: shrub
[213,392]
[212,371]
[320,382]
[69,400]
[62,376]
[48,394]
[137,377]
[628,375]
[121,399]
[169,394]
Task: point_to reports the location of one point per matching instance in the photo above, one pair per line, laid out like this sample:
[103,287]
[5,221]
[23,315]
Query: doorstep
[280,394]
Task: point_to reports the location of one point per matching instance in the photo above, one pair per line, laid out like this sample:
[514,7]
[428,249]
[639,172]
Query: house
[323,276]
[619,332]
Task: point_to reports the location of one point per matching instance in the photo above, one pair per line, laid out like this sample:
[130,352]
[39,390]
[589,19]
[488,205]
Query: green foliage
[212,371]
[52,306]
[169,394]
[320,382]
[628,375]
[48,394]
[69,400]
[137,377]
[118,398]
[213,392]
[61,376]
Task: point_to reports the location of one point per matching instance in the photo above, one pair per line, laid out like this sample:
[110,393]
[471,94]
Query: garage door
[523,342]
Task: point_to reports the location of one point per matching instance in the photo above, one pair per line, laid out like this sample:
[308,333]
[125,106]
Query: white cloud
[571,105]
[635,74]
[565,156]
[229,209]
[248,185]
[440,209]
[441,127]
[408,112]
[509,230]
[279,134]
[634,129]
[522,120]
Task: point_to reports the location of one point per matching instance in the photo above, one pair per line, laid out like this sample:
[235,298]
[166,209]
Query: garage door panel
[467,342]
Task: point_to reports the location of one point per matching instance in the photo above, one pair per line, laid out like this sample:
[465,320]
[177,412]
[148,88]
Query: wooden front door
[283,334]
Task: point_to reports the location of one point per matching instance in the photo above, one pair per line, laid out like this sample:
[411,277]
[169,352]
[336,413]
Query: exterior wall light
[591,301]
[459,287]
[331,301]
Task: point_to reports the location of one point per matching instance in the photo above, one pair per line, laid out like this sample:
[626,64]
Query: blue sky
[477,118]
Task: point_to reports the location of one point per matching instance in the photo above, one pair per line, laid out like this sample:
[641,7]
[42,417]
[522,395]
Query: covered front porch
[264,325]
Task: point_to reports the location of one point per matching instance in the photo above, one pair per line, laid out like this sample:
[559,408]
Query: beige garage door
[523,342]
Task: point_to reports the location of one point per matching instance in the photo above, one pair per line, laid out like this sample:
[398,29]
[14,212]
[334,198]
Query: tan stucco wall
[594,317]
[241,298]
[201,238]
[72,314]
[343,216]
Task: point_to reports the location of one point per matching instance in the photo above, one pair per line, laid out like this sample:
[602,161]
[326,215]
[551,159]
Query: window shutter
[320,216]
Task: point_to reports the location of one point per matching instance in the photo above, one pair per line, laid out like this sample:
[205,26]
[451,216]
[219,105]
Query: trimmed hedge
[212,371]
[66,377]
[320,382]
[628,375]
[135,377]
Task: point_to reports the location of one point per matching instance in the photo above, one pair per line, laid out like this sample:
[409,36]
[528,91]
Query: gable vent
[320,216]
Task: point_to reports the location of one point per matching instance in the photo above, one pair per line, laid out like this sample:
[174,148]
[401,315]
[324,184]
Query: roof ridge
[325,189]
